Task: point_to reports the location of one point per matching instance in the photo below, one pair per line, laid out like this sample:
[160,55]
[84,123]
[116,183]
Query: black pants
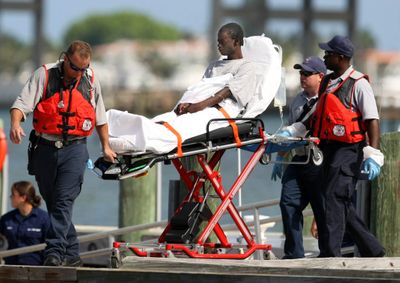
[341,168]
[299,188]
[59,174]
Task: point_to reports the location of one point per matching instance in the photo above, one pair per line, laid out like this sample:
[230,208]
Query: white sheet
[131,132]
[204,89]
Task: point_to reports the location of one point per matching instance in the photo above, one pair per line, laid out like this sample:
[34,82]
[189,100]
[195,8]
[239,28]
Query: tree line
[105,28]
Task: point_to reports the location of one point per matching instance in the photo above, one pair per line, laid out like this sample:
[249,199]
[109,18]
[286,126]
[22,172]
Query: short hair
[25,188]
[234,30]
[81,47]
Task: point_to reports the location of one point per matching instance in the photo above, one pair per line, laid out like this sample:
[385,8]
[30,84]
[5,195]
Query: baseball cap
[312,64]
[339,44]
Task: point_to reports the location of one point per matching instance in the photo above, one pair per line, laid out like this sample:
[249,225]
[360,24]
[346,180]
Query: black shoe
[291,257]
[52,260]
[381,253]
[73,262]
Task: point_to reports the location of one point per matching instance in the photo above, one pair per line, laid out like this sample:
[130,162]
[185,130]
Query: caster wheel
[115,262]
[317,158]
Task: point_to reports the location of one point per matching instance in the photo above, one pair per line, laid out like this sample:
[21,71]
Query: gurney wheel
[115,262]
[116,258]
[317,157]
[269,255]
[265,159]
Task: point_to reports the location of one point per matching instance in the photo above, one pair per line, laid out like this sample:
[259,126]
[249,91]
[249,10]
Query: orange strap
[233,125]
[178,137]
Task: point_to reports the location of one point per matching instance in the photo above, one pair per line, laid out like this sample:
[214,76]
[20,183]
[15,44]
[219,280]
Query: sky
[379,17]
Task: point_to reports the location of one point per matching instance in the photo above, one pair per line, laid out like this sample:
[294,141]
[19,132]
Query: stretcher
[182,235]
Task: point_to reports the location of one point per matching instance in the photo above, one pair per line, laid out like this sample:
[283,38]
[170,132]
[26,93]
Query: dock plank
[339,267]
[179,270]
[37,274]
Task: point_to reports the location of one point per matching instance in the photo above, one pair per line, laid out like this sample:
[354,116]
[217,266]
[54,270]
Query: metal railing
[255,207]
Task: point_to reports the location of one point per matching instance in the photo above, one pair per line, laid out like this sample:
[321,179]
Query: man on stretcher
[242,84]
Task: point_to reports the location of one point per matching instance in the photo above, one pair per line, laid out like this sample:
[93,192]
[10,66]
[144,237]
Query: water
[98,201]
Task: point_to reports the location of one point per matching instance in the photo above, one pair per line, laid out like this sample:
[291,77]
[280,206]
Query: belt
[61,144]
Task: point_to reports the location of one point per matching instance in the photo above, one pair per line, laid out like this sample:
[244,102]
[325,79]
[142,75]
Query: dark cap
[339,44]
[312,64]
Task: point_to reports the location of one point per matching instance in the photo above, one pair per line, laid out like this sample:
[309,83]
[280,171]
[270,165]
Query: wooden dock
[149,270]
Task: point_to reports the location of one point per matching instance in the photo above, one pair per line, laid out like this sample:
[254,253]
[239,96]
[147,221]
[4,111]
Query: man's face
[310,81]
[226,45]
[75,65]
[331,60]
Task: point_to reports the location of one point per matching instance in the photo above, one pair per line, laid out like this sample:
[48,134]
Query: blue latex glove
[278,168]
[90,164]
[370,167]
[284,133]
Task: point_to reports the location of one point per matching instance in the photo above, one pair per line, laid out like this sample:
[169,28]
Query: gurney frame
[196,246]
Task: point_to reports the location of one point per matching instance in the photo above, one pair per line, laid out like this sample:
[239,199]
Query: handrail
[87,238]
[159,224]
[257,205]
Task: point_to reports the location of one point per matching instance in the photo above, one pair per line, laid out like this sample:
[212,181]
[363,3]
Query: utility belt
[60,144]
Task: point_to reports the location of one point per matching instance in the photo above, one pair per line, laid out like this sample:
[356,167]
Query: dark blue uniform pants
[299,188]
[59,174]
[341,168]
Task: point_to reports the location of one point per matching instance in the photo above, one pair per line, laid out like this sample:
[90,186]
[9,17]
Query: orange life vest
[334,118]
[62,111]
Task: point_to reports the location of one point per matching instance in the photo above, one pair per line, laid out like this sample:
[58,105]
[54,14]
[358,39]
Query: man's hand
[16,134]
[373,160]
[182,108]
[109,154]
[314,229]
[16,131]
[370,167]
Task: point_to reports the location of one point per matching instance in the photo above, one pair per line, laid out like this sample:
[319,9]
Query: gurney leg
[196,249]
[227,198]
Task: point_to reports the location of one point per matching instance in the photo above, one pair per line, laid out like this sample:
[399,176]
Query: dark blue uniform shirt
[22,231]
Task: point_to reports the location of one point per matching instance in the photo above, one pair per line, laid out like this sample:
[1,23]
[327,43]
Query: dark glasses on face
[75,67]
[307,74]
[330,53]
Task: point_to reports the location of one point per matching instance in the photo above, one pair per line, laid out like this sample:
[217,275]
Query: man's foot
[291,257]
[73,262]
[52,260]
[381,253]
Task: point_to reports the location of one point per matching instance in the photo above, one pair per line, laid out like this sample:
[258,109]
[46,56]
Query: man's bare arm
[372,127]
[16,131]
[209,102]
[108,153]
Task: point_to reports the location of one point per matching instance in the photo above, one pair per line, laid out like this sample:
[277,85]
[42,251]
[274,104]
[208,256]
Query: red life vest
[65,111]
[334,118]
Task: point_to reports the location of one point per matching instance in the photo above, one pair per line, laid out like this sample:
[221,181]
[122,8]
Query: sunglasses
[75,67]
[307,74]
[330,53]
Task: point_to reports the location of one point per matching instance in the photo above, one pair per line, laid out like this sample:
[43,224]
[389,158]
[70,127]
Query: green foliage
[98,29]
[13,53]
